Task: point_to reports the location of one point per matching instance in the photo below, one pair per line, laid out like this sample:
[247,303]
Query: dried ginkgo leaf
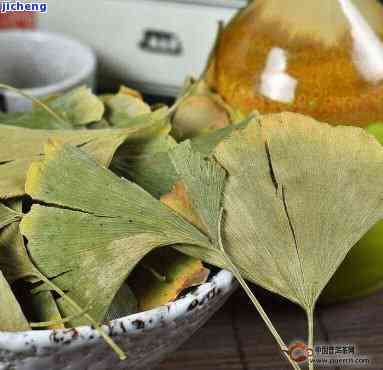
[298,195]
[72,240]
[327,194]
[200,111]
[12,317]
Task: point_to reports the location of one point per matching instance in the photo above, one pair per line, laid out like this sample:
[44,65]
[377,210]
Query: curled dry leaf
[197,115]
[200,111]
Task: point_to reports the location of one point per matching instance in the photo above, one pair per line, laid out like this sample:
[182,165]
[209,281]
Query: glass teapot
[322,58]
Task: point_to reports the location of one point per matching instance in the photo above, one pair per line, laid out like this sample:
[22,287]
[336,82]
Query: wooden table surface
[236,338]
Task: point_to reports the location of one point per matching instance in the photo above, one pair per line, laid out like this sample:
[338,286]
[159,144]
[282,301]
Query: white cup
[41,64]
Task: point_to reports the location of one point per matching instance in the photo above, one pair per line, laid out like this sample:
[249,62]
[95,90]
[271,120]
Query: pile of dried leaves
[101,188]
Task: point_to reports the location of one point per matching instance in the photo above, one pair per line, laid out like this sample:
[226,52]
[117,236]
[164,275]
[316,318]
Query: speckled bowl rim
[45,341]
[88,56]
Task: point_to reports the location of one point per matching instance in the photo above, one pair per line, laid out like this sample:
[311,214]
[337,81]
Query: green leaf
[198,198]
[88,241]
[12,317]
[76,108]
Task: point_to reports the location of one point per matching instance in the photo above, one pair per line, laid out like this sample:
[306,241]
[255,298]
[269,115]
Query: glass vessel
[322,58]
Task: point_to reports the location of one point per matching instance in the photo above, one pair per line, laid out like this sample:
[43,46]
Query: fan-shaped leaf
[97,233]
[299,194]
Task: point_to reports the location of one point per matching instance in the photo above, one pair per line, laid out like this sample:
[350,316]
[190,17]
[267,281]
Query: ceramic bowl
[42,64]
[147,337]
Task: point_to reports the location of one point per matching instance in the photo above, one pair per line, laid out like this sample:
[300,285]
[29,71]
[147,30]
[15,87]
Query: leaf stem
[76,307]
[254,299]
[262,312]
[310,320]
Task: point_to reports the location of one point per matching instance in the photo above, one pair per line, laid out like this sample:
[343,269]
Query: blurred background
[148,44]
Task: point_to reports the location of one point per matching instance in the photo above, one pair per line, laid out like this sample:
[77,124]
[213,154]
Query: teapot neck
[323,21]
